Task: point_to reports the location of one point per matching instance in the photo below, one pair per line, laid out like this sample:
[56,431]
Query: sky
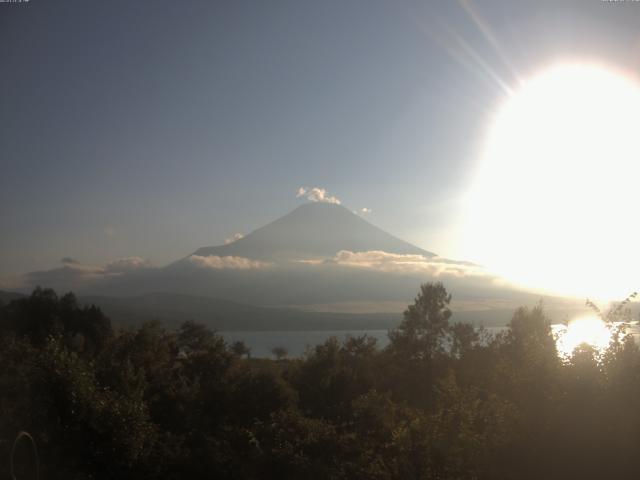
[151,128]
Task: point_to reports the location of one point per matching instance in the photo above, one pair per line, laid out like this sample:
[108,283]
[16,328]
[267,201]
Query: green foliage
[421,336]
[332,374]
[44,314]
[442,401]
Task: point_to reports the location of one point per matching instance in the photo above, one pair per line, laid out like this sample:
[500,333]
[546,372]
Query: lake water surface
[296,342]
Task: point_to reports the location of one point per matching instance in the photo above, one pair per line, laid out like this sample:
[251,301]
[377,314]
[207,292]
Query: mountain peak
[311,231]
[320,211]
[320,206]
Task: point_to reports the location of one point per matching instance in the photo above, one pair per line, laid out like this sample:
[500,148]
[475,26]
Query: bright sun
[554,203]
[587,330]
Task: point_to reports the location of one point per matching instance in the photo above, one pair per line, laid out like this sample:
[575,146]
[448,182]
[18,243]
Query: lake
[296,342]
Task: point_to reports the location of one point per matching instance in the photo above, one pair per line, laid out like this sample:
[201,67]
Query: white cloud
[68,276]
[233,238]
[400,263]
[229,262]
[126,264]
[317,194]
[75,275]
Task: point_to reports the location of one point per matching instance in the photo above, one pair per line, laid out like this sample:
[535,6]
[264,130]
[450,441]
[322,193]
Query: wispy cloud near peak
[317,194]
[233,238]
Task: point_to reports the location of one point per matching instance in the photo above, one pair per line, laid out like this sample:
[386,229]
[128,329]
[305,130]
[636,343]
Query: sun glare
[591,331]
[554,201]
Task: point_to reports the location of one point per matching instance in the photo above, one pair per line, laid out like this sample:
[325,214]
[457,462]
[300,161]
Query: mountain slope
[6,297]
[313,230]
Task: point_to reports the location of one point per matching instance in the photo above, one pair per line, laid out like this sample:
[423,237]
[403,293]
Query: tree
[422,333]
[196,337]
[44,314]
[240,349]
[279,352]
[463,337]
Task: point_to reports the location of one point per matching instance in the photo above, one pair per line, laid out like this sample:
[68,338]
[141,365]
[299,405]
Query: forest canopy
[443,400]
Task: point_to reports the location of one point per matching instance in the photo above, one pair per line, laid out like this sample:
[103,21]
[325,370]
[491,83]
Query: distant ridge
[173,309]
[6,297]
[313,230]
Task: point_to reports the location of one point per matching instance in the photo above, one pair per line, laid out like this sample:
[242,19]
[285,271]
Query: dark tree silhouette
[443,401]
[240,349]
[422,333]
[279,352]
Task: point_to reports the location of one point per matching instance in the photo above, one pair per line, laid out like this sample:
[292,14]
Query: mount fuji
[321,258]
